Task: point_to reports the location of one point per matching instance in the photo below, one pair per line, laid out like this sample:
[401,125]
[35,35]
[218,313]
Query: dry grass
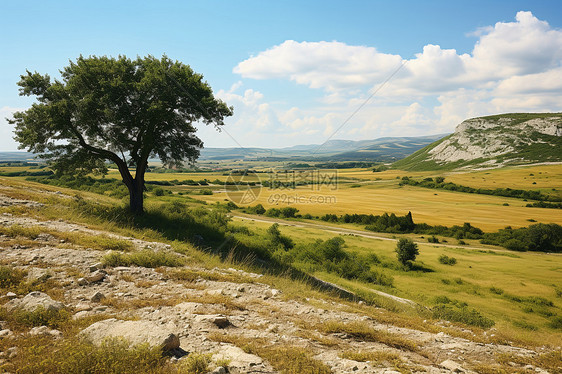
[192,275]
[287,359]
[379,358]
[363,331]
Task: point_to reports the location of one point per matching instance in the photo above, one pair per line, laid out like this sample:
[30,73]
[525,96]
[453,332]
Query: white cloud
[6,130]
[327,65]
[514,66]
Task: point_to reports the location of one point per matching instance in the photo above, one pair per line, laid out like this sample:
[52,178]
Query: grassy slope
[520,274]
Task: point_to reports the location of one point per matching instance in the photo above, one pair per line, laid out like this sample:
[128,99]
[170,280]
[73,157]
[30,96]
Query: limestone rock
[238,358]
[97,297]
[45,331]
[96,276]
[452,366]
[34,300]
[135,332]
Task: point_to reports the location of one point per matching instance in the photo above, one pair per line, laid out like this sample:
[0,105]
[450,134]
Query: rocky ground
[214,308]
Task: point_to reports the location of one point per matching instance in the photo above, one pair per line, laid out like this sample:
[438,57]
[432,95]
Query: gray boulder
[32,301]
[135,332]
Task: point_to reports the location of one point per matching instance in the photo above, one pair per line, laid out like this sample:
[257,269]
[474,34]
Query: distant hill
[382,149]
[492,141]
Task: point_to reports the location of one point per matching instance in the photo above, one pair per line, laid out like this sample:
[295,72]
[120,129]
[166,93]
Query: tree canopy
[119,110]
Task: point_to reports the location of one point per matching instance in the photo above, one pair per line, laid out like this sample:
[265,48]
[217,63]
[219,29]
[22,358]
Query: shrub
[145,258]
[38,317]
[433,239]
[463,314]
[406,251]
[196,363]
[10,277]
[446,260]
[158,191]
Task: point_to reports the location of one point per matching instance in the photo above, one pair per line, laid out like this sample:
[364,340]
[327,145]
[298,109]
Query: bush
[446,260]
[10,277]
[158,191]
[464,315]
[406,251]
[433,239]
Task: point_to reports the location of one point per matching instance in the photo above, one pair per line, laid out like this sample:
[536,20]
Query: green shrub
[463,315]
[446,260]
[145,258]
[406,251]
[433,239]
[158,191]
[10,277]
[195,363]
[39,317]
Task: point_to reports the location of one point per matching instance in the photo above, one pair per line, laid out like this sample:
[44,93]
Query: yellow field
[435,207]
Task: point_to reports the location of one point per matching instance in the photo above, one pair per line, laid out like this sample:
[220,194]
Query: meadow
[519,291]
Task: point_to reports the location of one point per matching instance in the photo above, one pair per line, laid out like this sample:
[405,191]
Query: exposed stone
[96,276]
[34,300]
[45,331]
[452,366]
[82,281]
[97,297]
[135,332]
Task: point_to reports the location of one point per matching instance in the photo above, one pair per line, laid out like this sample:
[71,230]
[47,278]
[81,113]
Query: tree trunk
[136,198]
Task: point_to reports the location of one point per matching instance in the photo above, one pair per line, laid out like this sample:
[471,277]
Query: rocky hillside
[61,287]
[506,139]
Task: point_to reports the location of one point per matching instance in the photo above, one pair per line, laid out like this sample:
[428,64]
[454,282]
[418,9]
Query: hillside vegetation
[492,141]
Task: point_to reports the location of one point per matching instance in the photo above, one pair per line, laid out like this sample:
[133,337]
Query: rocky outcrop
[135,332]
[490,137]
[32,301]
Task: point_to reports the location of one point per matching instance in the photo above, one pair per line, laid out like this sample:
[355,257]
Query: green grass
[145,258]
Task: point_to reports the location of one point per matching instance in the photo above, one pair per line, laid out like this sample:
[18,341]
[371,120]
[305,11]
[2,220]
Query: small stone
[95,267]
[96,276]
[6,333]
[82,307]
[452,365]
[82,281]
[11,295]
[12,352]
[219,370]
[97,297]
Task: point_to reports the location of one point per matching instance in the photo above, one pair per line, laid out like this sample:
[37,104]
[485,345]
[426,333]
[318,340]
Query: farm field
[435,207]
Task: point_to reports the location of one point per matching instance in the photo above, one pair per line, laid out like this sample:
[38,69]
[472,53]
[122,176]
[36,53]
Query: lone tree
[118,110]
[406,251]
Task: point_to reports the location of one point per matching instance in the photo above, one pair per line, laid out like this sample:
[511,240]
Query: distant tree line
[439,183]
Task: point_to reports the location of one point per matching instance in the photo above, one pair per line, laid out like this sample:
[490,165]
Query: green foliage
[538,237]
[38,317]
[406,251]
[274,235]
[446,260]
[158,191]
[439,183]
[195,363]
[462,314]
[144,107]
[146,258]
[433,239]
[257,209]
[10,277]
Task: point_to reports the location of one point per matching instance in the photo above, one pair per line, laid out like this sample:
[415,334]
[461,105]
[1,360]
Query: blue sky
[295,71]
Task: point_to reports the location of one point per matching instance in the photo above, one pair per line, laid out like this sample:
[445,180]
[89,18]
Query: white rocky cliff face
[489,138]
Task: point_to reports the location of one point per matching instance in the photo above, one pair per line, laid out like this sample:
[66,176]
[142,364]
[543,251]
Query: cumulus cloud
[327,65]
[514,66]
